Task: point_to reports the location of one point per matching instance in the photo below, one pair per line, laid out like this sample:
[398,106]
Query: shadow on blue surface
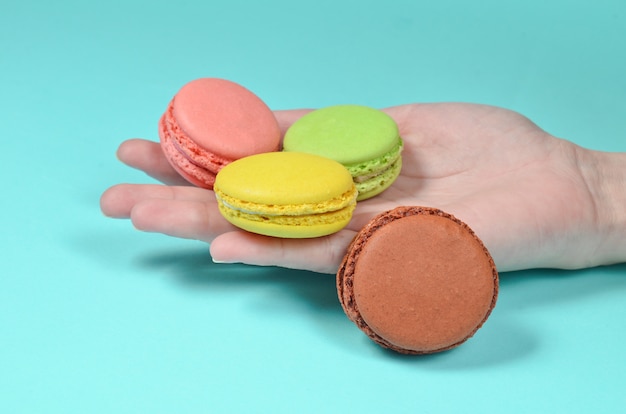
[268,292]
[499,342]
[195,269]
[504,338]
[546,287]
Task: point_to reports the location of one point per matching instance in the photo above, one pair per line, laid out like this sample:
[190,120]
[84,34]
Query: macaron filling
[313,219]
[374,177]
[322,218]
[366,170]
[344,202]
[379,183]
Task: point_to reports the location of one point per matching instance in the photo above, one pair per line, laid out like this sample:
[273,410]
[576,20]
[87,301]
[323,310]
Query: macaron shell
[348,134]
[225,118]
[283,178]
[417,280]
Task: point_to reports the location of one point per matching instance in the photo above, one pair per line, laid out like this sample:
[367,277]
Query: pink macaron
[211,122]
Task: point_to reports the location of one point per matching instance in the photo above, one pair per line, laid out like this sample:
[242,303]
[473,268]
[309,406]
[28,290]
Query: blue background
[97,317]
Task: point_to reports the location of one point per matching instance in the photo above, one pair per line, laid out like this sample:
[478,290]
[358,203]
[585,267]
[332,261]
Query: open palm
[518,187]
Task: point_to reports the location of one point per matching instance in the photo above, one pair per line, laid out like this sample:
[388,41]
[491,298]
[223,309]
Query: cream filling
[364,178]
[386,161]
[221,200]
[231,207]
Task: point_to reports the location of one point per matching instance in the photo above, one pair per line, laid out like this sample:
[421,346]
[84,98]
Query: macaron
[417,280]
[211,122]
[286,194]
[363,139]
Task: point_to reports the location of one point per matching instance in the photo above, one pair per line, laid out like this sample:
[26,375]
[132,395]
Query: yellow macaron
[286,194]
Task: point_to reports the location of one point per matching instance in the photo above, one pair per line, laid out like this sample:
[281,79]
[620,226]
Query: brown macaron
[417,280]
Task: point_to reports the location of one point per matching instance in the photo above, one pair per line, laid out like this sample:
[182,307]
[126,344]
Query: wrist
[605,176]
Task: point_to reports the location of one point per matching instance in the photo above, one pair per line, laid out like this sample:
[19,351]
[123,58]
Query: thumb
[322,254]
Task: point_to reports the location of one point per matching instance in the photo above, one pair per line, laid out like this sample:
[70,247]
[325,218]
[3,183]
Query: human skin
[535,200]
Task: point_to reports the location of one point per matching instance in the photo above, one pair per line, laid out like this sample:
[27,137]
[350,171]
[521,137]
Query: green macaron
[365,140]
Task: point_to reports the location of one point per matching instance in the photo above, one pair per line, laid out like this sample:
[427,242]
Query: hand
[525,193]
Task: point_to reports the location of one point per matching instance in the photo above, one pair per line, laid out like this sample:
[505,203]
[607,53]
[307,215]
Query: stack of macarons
[217,135]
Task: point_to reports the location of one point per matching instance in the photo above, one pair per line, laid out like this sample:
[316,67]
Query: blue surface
[97,317]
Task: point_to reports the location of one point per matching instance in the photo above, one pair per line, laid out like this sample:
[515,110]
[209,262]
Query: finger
[119,200]
[148,157]
[188,219]
[323,254]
